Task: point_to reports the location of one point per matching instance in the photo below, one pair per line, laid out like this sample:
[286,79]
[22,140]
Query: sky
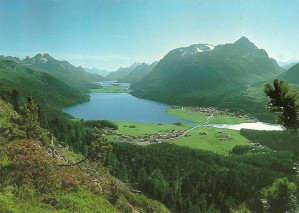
[109,34]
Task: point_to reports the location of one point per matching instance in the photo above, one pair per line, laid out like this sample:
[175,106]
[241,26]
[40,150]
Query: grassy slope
[81,201]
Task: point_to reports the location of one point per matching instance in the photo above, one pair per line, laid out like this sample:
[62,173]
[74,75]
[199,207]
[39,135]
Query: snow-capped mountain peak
[196,48]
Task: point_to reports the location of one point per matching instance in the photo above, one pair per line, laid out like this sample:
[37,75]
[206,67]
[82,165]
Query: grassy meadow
[217,140]
[140,129]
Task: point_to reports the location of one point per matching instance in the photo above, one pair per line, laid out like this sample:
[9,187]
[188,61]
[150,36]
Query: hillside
[50,91]
[291,75]
[208,76]
[34,178]
[75,77]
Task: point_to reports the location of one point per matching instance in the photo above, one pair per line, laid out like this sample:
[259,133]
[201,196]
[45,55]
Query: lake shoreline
[173,114]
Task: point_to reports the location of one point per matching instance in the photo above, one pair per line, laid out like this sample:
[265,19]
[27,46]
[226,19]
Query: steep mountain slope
[207,76]
[121,72]
[47,89]
[291,75]
[138,73]
[75,77]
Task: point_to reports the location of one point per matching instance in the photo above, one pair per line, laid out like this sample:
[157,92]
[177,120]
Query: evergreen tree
[283,101]
[29,119]
[280,197]
[15,99]
[99,150]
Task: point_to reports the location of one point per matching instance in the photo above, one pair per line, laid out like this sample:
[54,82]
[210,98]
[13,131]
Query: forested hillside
[209,77]
[40,174]
[48,90]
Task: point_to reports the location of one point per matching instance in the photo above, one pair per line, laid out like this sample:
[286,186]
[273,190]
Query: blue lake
[125,107]
[122,107]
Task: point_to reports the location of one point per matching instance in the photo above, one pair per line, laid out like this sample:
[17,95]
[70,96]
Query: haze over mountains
[133,73]
[291,75]
[98,71]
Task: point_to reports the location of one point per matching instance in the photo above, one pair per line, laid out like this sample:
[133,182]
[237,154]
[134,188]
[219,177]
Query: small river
[125,107]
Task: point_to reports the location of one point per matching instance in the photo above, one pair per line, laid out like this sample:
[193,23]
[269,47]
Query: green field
[201,137]
[140,129]
[187,114]
[111,89]
[217,140]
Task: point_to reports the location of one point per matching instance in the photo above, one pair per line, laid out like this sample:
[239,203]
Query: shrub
[241,149]
[30,164]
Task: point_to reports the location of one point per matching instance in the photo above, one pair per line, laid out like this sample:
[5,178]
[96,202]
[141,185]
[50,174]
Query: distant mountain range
[138,72]
[133,73]
[202,74]
[289,63]
[121,72]
[97,71]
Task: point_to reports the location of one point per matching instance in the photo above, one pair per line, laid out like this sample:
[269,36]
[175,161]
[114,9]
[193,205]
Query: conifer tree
[284,102]
[29,119]
[280,197]
[15,99]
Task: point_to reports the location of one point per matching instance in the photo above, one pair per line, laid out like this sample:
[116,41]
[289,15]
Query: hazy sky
[113,33]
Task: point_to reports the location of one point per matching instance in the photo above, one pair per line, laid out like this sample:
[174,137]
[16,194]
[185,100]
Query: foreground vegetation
[189,180]
[38,174]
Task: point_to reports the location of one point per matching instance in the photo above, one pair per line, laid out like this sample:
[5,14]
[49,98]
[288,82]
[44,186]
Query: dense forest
[188,180]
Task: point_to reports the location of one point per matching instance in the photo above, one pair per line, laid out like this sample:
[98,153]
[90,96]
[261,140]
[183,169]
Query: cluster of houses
[209,111]
[151,138]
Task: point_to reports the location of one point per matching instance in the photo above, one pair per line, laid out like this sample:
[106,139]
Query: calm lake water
[125,107]
[122,107]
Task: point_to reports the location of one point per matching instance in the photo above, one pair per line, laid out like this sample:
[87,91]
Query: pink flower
[67,180]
